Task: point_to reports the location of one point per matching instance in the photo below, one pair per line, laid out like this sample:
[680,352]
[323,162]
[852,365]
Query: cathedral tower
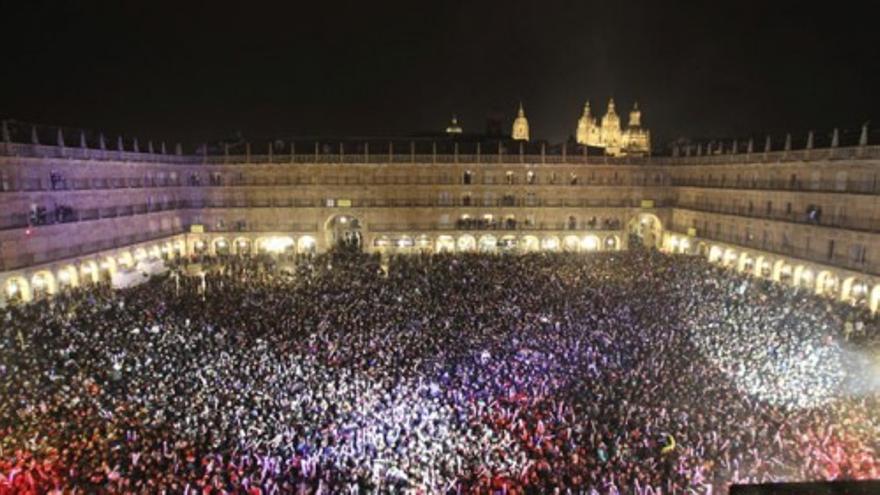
[520,131]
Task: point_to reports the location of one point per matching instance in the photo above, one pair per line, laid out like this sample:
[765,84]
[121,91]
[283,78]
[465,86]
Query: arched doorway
[645,229]
[17,289]
[344,231]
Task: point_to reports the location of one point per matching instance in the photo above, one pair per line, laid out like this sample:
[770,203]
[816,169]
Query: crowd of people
[625,372]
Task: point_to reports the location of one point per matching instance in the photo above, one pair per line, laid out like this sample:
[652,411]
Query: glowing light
[673,242]
[221,244]
[405,242]
[343,219]
[64,276]
[685,244]
[551,243]
[277,244]
[590,243]
[38,282]
[12,288]
[307,242]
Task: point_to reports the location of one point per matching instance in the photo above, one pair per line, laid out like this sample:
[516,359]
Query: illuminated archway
[646,228]
[467,243]
[853,290]
[571,243]
[827,283]
[715,254]
[803,277]
[529,243]
[68,276]
[43,284]
[88,271]
[612,243]
[382,242]
[745,262]
[17,289]
[590,243]
[155,252]
[445,244]
[199,246]
[550,243]
[221,246]
[488,244]
[125,260]
[242,246]
[729,257]
[404,243]
[306,244]
[423,243]
[344,230]
[508,243]
[275,244]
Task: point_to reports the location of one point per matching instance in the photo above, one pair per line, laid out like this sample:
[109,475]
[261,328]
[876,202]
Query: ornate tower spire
[520,131]
[584,125]
[635,116]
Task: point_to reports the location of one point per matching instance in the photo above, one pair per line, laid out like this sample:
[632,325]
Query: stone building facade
[77,215]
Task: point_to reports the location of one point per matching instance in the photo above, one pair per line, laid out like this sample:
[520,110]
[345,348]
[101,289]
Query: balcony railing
[862,224]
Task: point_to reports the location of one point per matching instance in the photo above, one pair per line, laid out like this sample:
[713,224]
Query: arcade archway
[645,229]
[344,231]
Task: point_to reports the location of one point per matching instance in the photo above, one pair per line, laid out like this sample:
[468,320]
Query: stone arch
[529,243]
[199,246]
[17,289]
[43,283]
[508,242]
[647,228]
[344,229]
[242,245]
[550,243]
[275,244]
[715,253]
[745,262]
[729,257]
[445,243]
[382,242]
[179,247]
[781,271]
[68,276]
[853,290]
[758,269]
[155,252]
[590,243]
[571,243]
[703,249]
[803,276]
[220,246]
[466,243]
[306,244]
[488,243]
[88,272]
[611,243]
[423,243]
[827,283]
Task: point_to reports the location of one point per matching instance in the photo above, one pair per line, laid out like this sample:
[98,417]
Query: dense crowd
[627,372]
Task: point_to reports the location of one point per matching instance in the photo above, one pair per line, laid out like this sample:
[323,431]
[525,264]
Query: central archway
[344,231]
[645,229]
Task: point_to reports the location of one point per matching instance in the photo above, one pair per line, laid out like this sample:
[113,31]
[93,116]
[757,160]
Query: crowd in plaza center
[629,372]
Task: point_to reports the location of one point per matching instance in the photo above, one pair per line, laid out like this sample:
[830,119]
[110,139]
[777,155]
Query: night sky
[192,71]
